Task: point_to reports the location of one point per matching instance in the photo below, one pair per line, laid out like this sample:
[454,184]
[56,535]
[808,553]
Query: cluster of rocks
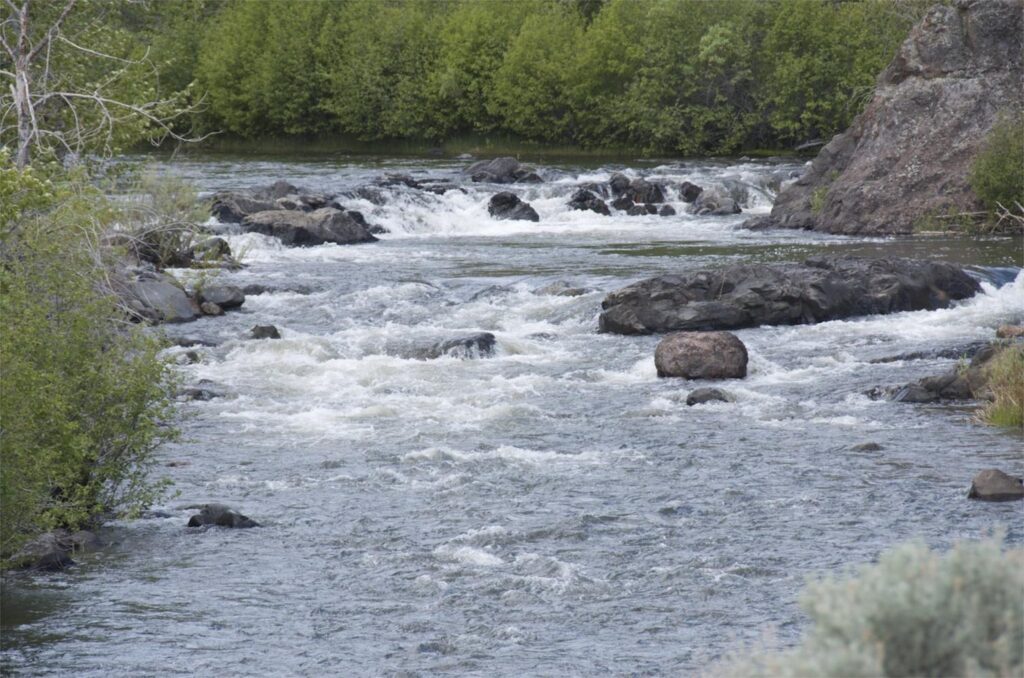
[153,296]
[968,381]
[297,218]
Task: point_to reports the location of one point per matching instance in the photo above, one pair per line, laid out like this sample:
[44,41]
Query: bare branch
[103,55]
[54,29]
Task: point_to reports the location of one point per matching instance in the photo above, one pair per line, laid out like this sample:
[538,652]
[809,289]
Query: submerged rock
[305,229]
[701,355]
[561,288]
[508,206]
[221,516]
[908,154]
[994,485]
[52,551]
[264,332]
[702,396]
[480,345]
[748,295]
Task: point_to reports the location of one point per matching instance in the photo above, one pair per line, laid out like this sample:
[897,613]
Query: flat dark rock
[749,295]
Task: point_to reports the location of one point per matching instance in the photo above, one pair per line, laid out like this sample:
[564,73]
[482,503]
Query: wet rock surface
[302,229]
[995,485]
[509,206]
[220,515]
[819,289]
[701,355]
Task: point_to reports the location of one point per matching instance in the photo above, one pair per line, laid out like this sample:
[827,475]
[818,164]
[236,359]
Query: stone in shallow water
[994,485]
[701,355]
[701,396]
[221,516]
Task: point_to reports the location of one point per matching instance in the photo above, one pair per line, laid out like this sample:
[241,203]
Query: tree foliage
[84,399]
[683,76]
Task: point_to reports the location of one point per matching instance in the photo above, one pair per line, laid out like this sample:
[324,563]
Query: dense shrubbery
[84,398]
[997,174]
[683,76]
[915,613]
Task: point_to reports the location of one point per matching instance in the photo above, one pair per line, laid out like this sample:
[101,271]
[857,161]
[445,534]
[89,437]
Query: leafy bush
[997,173]
[1006,383]
[160,221]
[915,613]
[85,400]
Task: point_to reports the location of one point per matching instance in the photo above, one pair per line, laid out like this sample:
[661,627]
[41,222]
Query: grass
[1006,382]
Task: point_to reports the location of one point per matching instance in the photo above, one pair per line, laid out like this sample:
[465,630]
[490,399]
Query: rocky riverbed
[454,471]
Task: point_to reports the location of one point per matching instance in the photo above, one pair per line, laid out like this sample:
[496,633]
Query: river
[555,509]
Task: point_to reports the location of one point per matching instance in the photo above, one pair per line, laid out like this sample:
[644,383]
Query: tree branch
[54,29]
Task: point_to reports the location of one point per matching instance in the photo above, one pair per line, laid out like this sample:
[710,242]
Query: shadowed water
[555,509]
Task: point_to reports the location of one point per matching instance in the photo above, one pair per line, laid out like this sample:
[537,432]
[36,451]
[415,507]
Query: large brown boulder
[701,355]
[994,485]
[825,288]
[907,155]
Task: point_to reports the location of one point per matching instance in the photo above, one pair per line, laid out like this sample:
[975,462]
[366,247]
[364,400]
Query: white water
[555,509]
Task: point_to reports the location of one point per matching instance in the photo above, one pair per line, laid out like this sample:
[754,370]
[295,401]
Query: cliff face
[907,156]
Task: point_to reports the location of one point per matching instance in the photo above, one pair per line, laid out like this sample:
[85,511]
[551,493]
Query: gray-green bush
[914,613]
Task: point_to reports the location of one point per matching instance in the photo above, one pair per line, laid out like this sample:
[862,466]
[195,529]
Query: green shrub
[915,613]
[997,173]
[1006,382]
[84,400]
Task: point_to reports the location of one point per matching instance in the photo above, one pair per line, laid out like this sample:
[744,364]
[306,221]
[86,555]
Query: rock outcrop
[701,355]
[819,289]
[502,171]
[964,382]
[907,155]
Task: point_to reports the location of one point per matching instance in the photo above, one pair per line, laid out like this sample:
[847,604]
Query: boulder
[221,516]
[994,485]
[478,345]
[667,211]
[908,154]
[278,189]
[232,208]
[701,396]
[701,355]
[210,308]
[501,171]
[52,551]
[203,390]
[715,202]
[585,200]
[689,192]
[508,206]
[623,202]
[867,447]
[301,229]
[619,184]
[643,191]
[639,210]
[225,296]
[158,300]
[1010,332]
[264,332]
[749,295]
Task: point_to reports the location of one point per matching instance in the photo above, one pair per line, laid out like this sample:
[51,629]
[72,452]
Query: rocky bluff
[906,156]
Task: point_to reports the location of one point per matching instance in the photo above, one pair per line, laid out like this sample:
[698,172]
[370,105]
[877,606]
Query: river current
[555,509]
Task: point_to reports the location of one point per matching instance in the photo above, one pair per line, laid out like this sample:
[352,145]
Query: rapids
[555,509]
